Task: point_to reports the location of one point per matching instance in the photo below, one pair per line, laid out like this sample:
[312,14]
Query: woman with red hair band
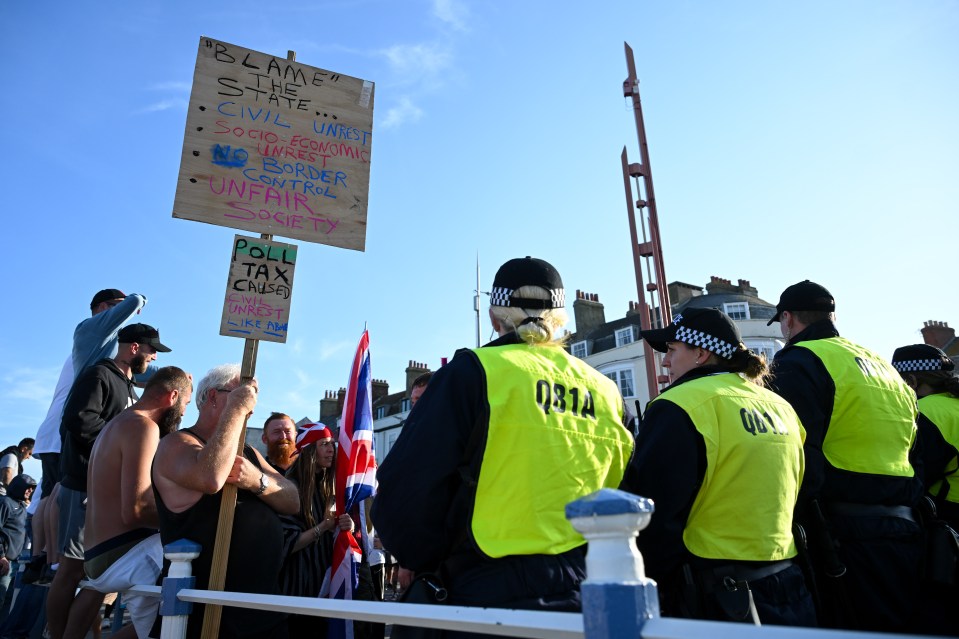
[307,535]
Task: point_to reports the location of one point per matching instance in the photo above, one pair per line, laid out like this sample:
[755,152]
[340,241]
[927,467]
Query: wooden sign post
[273,147]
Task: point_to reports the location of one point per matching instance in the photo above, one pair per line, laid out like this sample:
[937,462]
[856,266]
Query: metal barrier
[619,602]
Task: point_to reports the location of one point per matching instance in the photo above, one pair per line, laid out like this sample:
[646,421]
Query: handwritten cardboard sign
[258,291]
[276,147]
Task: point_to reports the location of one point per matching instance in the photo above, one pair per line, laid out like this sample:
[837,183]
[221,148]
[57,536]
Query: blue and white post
[173,611]
[617,597]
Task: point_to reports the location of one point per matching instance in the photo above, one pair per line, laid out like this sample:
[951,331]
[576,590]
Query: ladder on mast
[653,293]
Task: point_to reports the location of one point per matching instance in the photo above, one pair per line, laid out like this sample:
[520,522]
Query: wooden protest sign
[258,290]
[276,147]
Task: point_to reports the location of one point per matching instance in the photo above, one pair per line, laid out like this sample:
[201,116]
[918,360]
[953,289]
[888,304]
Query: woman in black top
[307,535]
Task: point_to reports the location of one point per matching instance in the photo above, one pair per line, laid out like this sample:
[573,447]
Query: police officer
[722,459]
[860,489]
[503,438]
[931,374]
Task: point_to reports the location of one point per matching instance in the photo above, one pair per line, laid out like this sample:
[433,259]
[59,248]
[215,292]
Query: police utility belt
[848,509]
[730,576]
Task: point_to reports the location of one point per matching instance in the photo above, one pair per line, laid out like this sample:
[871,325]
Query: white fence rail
[618,601]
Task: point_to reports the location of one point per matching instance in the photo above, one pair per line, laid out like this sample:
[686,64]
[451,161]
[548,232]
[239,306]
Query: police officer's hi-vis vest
[942,409]
[873,422]
[754,466]
[555,434]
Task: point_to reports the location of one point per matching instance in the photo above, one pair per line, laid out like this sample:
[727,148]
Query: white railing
[619,602]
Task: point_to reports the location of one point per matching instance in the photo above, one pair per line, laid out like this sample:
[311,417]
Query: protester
[858,497]
[11,461]
[307,535]
[190,470]
[401,577]
[121,536]
[95,338]
[719,454]
[98,395]
[279,436]
[13,526]
[419,387]
[505,542]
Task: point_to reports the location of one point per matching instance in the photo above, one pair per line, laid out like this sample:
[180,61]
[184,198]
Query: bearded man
[121,533]
[279,435]
[98,395]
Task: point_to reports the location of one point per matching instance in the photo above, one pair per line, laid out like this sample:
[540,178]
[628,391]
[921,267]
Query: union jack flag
[355,478]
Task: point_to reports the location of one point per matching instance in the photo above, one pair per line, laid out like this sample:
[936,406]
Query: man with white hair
[190,470]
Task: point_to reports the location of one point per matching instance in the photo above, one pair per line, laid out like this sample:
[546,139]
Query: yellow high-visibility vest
[754,467]
[873,421]
[555,434]
[942,409]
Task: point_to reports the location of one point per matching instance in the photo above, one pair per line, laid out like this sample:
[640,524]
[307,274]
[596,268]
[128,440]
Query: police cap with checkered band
[527,271]
[920,358]
[706,328]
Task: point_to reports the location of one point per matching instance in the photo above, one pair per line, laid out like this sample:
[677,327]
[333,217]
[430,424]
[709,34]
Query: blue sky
[788,141]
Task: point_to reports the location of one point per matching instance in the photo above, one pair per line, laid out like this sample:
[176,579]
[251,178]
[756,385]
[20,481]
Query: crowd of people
[801,491]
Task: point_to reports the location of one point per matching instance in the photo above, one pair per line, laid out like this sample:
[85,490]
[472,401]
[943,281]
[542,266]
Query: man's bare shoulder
[178,441]
[134,424]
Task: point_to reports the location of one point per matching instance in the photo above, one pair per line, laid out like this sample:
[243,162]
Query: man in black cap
[94,338]
[11,461]
[860,488]
[476,485]
[99,393]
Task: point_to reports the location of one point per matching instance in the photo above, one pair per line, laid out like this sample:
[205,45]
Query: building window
[578,349]
[624,380]
[767,348]
[391,439]
[737,310]
[405,405]
[624,336]
[381,412]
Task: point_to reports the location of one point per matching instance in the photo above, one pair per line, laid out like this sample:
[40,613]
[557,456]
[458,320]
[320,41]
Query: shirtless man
[121,523]
[191,468]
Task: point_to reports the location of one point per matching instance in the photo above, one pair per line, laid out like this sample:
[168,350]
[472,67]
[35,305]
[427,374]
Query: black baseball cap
[142,334]
[804,296]
[106,295]
[704,327]
[921,357]
[527,271]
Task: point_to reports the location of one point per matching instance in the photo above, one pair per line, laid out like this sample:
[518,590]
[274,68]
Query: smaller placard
[259,289]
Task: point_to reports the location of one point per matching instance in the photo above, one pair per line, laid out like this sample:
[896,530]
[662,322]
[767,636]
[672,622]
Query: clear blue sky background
[789,141]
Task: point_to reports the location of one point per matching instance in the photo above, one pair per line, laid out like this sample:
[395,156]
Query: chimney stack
[937,334]
[379,388]
[588,312]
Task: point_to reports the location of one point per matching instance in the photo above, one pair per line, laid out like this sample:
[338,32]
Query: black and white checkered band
[704,340]
[916,365]
[500,296]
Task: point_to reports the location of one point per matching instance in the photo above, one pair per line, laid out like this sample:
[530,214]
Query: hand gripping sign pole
[224,526]
[270,147]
